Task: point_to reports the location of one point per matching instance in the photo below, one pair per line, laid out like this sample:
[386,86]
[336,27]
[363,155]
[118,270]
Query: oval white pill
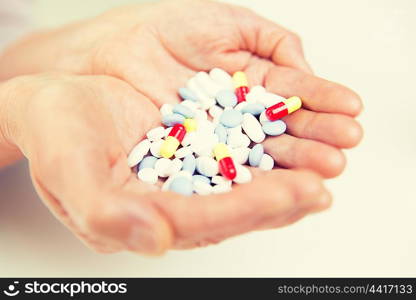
[253,128]
[200,115]
[221,77]
[191,104]
[263,119]
[163,167]
[266,162]
[156,134]
[220,180]
[138,152]
[148,175]
[207,84]
[155,148]
[182,152]
[221,188]
[243,174]
[202,188]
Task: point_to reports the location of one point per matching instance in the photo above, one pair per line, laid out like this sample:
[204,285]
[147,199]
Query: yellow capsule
[221,151]
[293,104]
[190,125]
[169,147]
[240,79]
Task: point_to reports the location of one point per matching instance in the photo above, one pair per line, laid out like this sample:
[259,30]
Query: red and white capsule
[241,86]
[173,140]
[283,108]
[225,162]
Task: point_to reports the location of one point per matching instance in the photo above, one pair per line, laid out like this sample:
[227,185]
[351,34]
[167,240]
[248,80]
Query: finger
[216,217]
[333,129]
[292,152]
[317,94]
[269,40]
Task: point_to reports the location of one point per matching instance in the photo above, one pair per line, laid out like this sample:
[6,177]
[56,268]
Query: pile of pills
[211,135]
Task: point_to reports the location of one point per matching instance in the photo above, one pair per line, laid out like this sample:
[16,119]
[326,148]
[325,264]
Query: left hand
[157,47]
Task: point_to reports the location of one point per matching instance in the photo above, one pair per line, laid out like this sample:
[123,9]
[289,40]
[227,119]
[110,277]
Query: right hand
[76,133]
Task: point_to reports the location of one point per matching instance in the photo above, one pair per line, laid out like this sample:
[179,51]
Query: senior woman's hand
[76,132]
[157,47]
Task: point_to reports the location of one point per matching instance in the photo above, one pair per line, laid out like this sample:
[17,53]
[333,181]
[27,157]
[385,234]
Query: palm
[101,199]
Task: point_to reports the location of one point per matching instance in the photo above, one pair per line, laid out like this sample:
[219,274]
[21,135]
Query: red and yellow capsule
[225,161]
[283,108]
[241,86]
[173,140]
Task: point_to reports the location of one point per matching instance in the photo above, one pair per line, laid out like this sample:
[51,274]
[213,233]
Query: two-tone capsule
[173,140]
[283,108]
[225,162]
[241,86]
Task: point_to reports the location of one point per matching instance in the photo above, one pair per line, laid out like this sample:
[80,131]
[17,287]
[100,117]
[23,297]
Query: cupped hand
[157,47]
[76,132]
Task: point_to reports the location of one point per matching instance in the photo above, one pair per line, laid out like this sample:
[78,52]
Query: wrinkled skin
[76,131]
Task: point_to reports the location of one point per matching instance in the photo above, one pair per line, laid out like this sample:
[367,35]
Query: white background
[369,231]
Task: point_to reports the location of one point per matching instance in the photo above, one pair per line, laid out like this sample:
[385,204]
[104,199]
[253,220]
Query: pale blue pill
[183,110]
[274,128]
[148,162]
[231,118]
[255,155]
[221,132]
[253,108]
[201,178]
[181,185]
[170,120]
[189,164]
[226,98]
[187,94]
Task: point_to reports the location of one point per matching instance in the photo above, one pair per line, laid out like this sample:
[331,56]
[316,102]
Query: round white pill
[163,167]
[237,140]
[156,133]
[182,152]
[257,89]
[241,105]
[215,111]
[243,174]
[166,109]
[263,119]
[240,155]
[253,128]
[148,175]
[138,152]
[266,162]
[155,148]
[207,166]
[188,139]
[176,166]
[202,188]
